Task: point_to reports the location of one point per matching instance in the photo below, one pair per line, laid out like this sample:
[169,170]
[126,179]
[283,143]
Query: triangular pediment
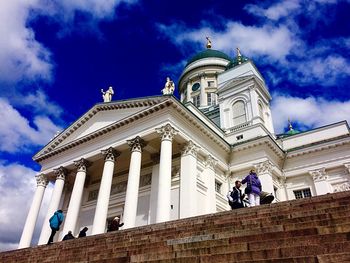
[99,117]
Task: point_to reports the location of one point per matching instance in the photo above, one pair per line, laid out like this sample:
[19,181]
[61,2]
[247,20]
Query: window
[218,187]
[302,193]
[261,111]
[239,137]
[196,86]
[211,99]
[197,100]
[239,115]
[210,83]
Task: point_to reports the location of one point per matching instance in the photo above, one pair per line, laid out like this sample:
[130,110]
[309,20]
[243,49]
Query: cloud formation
[311,112]
[17,186]
[18,134]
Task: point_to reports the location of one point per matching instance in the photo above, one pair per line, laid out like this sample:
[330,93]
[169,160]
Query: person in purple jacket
[253,188]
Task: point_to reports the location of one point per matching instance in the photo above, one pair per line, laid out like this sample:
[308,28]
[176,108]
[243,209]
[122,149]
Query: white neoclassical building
[155,159]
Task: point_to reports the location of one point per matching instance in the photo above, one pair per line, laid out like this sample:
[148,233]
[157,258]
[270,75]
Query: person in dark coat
[114,225]
[68,236]
[235,197]
[55,222]
[254,187]
[82,232]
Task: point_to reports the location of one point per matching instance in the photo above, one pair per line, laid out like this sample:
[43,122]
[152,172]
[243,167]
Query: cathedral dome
[208,53]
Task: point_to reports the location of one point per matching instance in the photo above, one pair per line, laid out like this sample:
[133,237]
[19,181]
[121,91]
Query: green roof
[236,61]
[208,53]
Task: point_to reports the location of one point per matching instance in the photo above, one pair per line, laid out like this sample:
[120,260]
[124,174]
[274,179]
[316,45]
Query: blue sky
[55,56]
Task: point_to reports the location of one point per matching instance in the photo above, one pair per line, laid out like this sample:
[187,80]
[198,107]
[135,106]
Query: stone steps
[306,230]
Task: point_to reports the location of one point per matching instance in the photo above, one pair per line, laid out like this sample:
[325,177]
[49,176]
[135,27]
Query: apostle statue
[107,95]
[169,87]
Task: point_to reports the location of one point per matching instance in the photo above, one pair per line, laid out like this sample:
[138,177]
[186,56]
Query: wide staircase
[306,230]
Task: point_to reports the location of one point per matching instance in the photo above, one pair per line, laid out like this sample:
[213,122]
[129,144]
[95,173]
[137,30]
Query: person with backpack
[55,222]
[235,197]
[253,188]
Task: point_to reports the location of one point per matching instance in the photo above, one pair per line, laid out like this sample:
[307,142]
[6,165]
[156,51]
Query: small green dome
[208,53]
[292,132]
[236,61]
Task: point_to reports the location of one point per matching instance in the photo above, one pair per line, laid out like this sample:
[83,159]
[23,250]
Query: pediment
[99,117]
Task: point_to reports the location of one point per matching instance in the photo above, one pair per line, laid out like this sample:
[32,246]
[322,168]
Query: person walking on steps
[253,188]
[235,197]
[114,225]
[55,222]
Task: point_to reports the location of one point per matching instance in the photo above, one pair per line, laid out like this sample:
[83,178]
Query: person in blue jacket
[253,188]
[55,222]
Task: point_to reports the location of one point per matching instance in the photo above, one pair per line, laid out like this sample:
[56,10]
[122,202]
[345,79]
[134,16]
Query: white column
[167,133]
[264,171]
[99,224]
[76,197]
[189,91]
[54,203]
[29,226]
[188,180]
[154,189]
[132,189]
[210,164]
[320,178]
[203,101]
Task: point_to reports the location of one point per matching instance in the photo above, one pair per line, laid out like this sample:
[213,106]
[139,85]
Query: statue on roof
[208,42]
[107,95]
[169,87]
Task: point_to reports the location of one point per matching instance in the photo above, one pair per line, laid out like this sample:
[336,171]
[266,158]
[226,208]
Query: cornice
[319,147]
[126,104]
[168,102]
[266,140]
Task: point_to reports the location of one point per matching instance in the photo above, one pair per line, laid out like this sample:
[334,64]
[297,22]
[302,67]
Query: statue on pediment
[169,87]
[107,95]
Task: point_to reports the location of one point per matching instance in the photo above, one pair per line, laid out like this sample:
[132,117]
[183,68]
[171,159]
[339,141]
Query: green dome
[236,61]
[208,53]
[292,132]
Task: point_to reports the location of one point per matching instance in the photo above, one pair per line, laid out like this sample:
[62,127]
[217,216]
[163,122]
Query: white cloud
[17,134]
[311,112]
[21,55]
[274,12]
[17,186]
[323,70]
[266,40]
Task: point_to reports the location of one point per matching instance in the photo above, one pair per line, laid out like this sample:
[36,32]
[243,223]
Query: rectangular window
[210,83]
[218,187]
[302,193]
[211,99]
[239,137]
[197,100]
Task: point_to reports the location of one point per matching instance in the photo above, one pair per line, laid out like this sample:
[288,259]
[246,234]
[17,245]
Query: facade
[155,159]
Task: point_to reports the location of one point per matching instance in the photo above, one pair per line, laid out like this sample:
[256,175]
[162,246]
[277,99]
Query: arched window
[239,114]
[261,111]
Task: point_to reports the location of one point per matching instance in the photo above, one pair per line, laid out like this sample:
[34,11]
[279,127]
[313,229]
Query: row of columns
[166,132]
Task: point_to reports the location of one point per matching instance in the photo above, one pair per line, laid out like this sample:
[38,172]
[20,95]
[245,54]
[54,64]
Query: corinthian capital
[60,173]
[82,165]
[136,144]
[110,154]
[263,167]
[167,132]
[210,162]
[190,148]
[41,180]
[319,175]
